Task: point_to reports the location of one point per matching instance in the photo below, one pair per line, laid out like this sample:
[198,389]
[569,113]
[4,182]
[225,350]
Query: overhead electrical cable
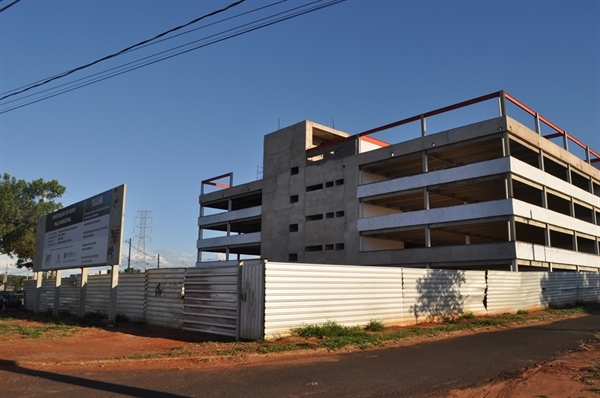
[140,59]
[123,50]
[150,44]
[10,5]
[152,59]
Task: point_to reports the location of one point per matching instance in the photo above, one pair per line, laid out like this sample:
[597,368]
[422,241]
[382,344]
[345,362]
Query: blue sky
[164,128]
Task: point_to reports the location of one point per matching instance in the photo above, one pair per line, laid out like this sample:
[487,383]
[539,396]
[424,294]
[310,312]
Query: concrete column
[544,197]
[505,144]
[572,208]
[538,127]
[427,236]
[83,291]
[588,158]
[58,282]
[502,104]
[512,230]
[426,198]
[38,276]
[508,186]
[423,126]
[424,158]
[514,267]
[114,284]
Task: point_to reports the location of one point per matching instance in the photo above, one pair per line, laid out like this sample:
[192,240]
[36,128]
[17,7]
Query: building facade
[496,193]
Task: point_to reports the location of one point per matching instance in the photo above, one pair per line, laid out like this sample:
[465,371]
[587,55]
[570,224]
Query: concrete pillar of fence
[83,291]
[514,267]
[38,292]
[114,283]
[57,284]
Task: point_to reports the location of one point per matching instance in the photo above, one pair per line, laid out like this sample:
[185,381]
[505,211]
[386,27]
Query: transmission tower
[141,225]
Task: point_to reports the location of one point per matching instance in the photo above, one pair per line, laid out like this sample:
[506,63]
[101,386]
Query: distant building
[494,194]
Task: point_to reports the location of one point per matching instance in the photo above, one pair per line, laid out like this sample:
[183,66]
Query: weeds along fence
[264,299]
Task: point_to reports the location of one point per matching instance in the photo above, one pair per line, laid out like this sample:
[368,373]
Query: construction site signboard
[85,234]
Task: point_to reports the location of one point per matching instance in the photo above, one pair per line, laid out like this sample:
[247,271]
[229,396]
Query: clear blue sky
[164,128]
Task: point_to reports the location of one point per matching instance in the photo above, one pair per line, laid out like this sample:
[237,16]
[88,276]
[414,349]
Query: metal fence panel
[589,287]
[297,294]
[29,294]
[164,304]
[131,296]
[473,292]
[211,300]
[98,293]
[69,295]
[504,293]
[437,294]
[47,295]
[560,288]
[531,290]
[411,278]
[252,301]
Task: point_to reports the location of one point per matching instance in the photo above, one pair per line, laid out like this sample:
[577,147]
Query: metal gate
[211,300]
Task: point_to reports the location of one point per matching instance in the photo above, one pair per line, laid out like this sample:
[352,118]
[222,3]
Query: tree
[131,270]
[22,203]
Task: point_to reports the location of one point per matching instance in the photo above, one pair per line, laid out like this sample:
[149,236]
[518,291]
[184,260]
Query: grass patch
[50,331]
[593,371]
[231,352]
[152,355]
[374,326]
[328,329]
[467,315]
[272,348]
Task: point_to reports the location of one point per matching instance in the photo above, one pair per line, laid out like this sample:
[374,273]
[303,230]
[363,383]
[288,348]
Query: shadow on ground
[121,326]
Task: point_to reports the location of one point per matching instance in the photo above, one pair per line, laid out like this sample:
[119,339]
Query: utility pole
[6,276]
[129,257]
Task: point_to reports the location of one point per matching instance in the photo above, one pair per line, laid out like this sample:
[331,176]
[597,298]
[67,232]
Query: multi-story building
[494,194]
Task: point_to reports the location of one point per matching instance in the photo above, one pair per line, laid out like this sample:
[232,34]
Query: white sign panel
[85,234]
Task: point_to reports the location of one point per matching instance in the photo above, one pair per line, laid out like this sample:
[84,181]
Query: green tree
[22,203]
[131,270]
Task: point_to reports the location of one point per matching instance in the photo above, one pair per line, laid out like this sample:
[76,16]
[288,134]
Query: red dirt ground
[132,346]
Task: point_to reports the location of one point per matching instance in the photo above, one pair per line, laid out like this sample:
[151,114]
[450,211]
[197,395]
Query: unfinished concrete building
[494,193]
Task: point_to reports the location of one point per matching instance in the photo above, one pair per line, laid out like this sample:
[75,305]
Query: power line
[148,60]
[8,6]
[154,43]
[123,50]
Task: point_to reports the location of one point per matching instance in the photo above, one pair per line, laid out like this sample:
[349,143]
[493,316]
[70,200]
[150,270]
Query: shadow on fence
[439,297]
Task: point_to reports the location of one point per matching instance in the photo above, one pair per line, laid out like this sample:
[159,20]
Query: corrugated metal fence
[259,300]
[211,300]
[130,296]
[300,294]
[154,297]
[297,294]
[164,297]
